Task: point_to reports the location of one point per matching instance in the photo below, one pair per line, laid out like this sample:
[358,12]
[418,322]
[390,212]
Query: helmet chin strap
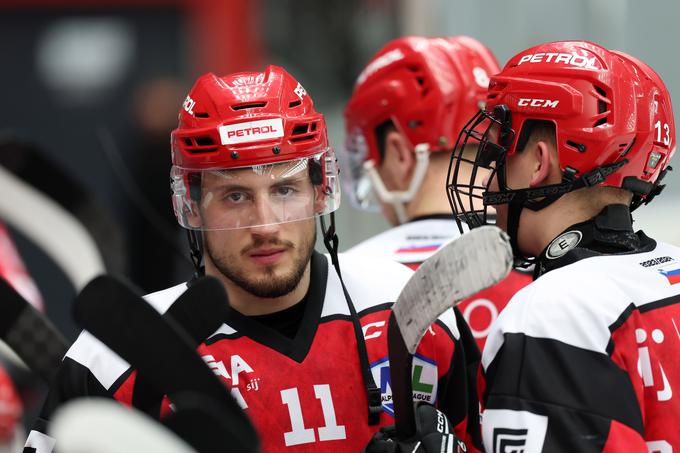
[399,198]
[373,394]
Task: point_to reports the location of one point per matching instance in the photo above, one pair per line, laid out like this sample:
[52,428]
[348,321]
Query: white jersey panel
[106,365]
[369,281]
[412,242]
[577,303]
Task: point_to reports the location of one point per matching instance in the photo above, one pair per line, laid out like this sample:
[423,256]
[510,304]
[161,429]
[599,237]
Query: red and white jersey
[414,242]
[586,357]
[304,393]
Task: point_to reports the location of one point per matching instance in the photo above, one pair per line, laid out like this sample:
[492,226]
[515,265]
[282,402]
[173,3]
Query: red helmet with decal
[245,138]
[427,88]
[612,115]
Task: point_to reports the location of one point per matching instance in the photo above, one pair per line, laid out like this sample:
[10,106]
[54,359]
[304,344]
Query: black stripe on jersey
[361,314]
[120,381]
[72,380]
[560,378]
[659,303]
[295,348]
[642,309]
[617,324]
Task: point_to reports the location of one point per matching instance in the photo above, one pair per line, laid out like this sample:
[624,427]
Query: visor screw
[443,140]
[234,155]
[413,124]
[276,150]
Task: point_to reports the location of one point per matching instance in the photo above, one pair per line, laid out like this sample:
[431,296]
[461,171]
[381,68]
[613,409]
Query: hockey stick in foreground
[30,334]
[99,425]
[473,262]
[199,320]
[161,351]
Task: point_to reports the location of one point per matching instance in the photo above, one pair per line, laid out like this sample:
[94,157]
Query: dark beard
[270,286]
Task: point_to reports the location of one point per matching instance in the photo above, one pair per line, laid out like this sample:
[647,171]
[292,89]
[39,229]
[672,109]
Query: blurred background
[92,89]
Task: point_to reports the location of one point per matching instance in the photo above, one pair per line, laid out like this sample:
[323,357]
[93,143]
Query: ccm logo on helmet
[527,102]
[566,58]
[252,131]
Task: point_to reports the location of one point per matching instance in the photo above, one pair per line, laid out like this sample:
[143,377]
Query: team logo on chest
[424,381]
[237,367]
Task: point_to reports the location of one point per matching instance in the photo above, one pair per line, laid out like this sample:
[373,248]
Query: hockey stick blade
[475,261]
[200,311]
[99,425]
[30,334]
[160,350]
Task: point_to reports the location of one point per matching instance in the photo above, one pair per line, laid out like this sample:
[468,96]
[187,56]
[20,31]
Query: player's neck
[431,198]
[249,304]
[538,228]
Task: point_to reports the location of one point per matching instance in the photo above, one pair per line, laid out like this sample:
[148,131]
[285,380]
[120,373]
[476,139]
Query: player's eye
[284,191]
[236,197]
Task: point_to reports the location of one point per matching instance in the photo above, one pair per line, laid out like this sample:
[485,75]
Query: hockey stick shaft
[198,321]
[159,350]
[30,334]
[475,261]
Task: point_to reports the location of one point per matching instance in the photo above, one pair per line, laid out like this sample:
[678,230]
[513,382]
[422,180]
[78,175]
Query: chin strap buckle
[374,405]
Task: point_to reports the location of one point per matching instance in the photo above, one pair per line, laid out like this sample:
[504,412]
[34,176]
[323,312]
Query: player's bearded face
[265,261]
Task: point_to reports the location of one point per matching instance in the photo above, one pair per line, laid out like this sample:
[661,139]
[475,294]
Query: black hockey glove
[434,434]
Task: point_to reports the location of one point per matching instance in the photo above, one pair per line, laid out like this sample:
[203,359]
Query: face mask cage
[478,157]
[256,196]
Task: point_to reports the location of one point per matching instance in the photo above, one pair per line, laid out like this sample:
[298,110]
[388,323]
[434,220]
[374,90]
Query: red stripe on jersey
[623,438]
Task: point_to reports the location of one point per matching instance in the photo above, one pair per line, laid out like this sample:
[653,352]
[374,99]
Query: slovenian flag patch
[420,249]
[672,274]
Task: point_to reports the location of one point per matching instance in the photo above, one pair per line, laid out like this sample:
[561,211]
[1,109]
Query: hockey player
[408,106]
[585,357]
[252,168]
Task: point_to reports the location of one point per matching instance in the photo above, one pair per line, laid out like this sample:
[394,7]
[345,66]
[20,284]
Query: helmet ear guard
[609,131]
[426,88]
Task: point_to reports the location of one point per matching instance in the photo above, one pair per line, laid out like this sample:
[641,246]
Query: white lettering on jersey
[374,334]
[379,63]
[217,367]
[251,132]
[238,365]
[659,446]
[645,364]
[188,105]
[509,431]
[554,57]
[528,102]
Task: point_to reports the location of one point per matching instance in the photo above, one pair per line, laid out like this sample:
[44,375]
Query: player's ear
[399,159]
[544,160]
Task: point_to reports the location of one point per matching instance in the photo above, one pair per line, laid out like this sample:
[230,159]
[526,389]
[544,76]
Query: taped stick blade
[475,261]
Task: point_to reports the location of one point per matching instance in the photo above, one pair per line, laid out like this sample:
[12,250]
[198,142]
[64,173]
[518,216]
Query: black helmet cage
[489,155]
[493,156]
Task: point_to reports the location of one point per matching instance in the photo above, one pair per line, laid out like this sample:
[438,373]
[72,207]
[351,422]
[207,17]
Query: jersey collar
[608,233]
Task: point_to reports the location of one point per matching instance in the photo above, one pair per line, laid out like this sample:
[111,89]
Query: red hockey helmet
[251,150]
[427,88]
[613,121]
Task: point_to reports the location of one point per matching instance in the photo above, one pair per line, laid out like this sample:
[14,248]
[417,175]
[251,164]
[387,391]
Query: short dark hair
[381,132]
[536,130]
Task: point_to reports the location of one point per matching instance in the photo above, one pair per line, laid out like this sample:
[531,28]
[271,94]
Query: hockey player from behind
[252,169]
[585,357]
[408,106]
